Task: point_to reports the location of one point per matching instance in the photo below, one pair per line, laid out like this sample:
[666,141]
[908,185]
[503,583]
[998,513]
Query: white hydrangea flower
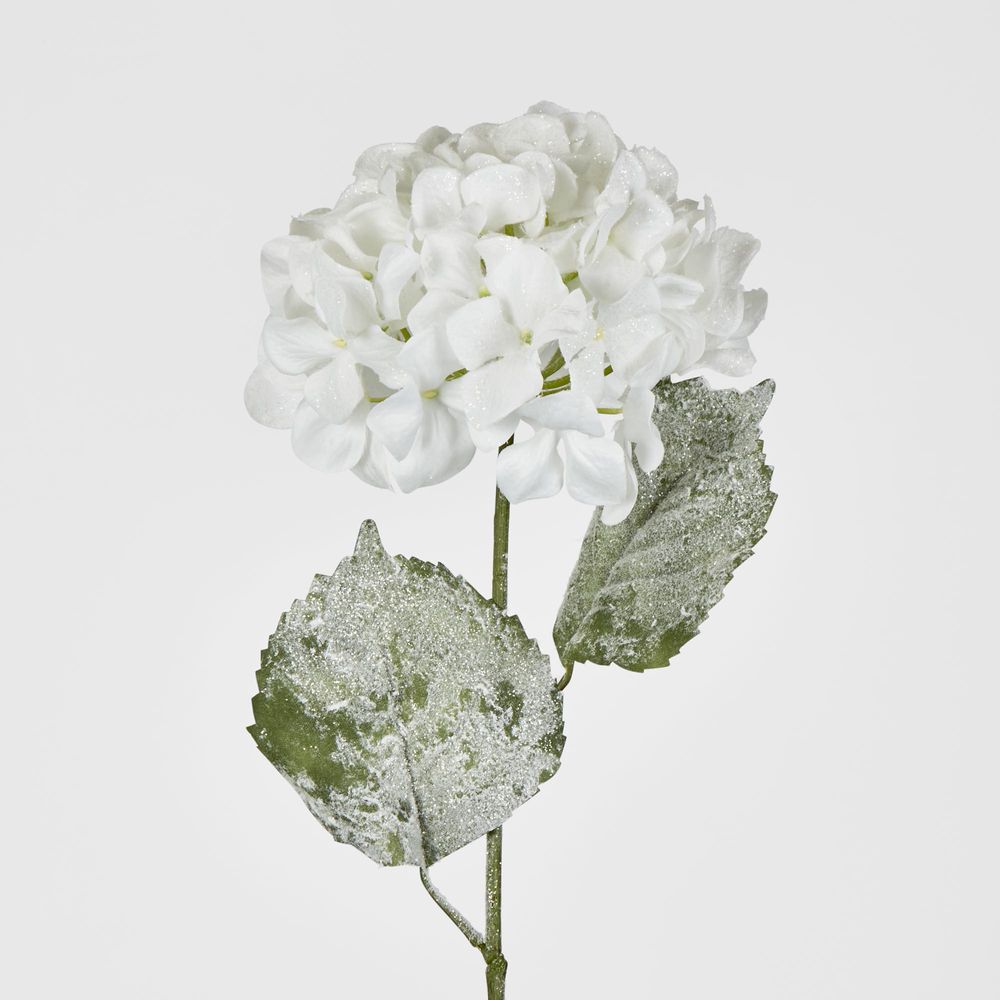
[533,273]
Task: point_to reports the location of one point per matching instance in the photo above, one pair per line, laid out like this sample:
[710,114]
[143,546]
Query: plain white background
[803,806]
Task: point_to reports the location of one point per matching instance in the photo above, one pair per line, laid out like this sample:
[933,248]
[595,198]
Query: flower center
[340,342]
[526,336]
[429,393]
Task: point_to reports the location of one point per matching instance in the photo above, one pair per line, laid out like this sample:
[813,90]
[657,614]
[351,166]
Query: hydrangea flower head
[532,279]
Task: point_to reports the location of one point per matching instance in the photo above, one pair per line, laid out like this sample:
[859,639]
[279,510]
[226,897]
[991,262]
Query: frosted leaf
[410,714]
[642,588]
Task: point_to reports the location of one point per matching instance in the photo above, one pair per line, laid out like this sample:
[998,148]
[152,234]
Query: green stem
[555,363]
[471,934]
[501,543]
[556,383]
[496,964]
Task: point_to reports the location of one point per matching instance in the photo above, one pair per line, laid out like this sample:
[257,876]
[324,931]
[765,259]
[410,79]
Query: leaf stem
[472,935]
[567,676]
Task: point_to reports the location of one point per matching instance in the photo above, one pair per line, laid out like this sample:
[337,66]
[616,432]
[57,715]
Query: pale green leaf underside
[410,714]
[642,588]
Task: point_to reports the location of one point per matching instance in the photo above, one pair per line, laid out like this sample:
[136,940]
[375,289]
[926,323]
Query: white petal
[594,146]
[472,219]
[661,175]
[296,346]
[312,224]
[490,437]
[375,160]
[562,411]
[544,171]
[640,351]
[274,271]
[571,320]
[595,469]
[271,397]
[736,250]
[646,223]
[325,446]
[611,275]
[734,358]
[375,349]
[586,368]
[528,283]
[687,333]
[335,390]
[442,448]
[359,193]
[549,108]
[562,246]
[709,215]
[544,133]
[643,298]
[500,387]
[397,264]
[344,299]
[595,237]
[701,263]
[476,139]
[284,269]
[675,247]
[656,259]
[754,308]
[564,194]
[450,262]
[428,356]
[543,167]
[677,291]
[529,470]
[396,421]
[626,180]
[431,138]
[341,243]
[724,315]
[374,224]
[373,466]
[508,193]
[449,393]
[617,512]
[494,248]
[436,199]
[638,427]
[479,332]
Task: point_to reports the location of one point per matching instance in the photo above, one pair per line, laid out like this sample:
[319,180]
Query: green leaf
[642,588]
[410,714]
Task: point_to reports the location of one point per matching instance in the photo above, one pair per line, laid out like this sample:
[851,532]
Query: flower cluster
[533,272]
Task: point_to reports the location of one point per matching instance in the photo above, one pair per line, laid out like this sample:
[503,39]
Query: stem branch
[566,678]
[472,935]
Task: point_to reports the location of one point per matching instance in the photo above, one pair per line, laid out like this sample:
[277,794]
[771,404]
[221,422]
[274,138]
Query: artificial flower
[531,279]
